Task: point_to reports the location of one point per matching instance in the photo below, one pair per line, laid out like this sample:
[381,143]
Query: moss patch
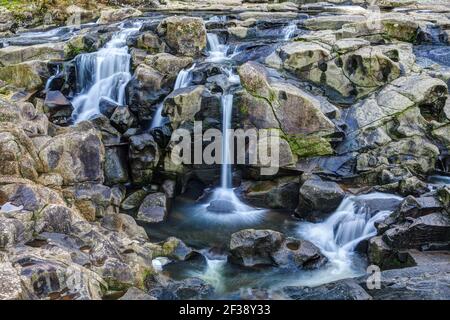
[304,146]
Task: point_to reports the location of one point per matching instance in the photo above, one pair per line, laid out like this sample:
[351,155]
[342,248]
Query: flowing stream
[103,74]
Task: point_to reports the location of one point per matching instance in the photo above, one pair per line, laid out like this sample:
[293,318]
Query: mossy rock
[305,146]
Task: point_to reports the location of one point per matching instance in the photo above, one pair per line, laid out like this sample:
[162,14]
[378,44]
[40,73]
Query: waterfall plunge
[104,73]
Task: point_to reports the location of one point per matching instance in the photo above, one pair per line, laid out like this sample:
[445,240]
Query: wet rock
[187,289]
[253,248]
[184,35]
[347,289]
[421,282]
[280,193]
[113,15]
[176,249]
[318,197]
[421,233]
[221,206]
[122,119]
[116,165]
[153,208]
[144,156]
[107,106]
[57,107]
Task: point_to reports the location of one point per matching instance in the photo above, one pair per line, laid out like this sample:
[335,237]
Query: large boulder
[318,197]
[250,248]
[57,107]
[113,15]
[28,75]
[184,35]
[280,193]
[17,54]
[144,156]
[77,155]
[183,104]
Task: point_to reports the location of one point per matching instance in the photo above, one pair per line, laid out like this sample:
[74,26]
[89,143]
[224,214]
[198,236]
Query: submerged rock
[221,206]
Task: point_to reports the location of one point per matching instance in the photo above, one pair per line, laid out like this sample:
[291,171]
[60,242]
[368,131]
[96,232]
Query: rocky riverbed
[92,206]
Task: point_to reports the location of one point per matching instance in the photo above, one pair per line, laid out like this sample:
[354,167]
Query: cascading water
[289,31]
[104,73]
[227,108]
[337,237]
[217,51]
[183,80]
[53,77]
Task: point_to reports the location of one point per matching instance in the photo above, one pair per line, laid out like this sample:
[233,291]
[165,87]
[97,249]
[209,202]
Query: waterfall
[183,80]
[50,80]
[352,222]
[227,109]
[217,52]
[104,73]
[289,31]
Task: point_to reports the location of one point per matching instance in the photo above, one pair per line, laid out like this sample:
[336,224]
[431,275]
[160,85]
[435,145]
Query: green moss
[304,146]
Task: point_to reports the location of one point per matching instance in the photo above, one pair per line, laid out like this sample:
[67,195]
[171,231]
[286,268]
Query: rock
[146,88]
[167,64]
[107,106]
[144,157]
[27,75]
[429,230]
[113,15]
[318,197]
[17,153]
[221,206]
[184,35]
[136,294]
[183,104]
[331,21]
[251,248]
[150,42]
[134,200]
[50,273]
[55,218]
[169,188]
[187,289]
[254,79]
[153,209]
[92,200]
[347,289]
[122,119]
[77,156]
[10,283]
[116,165]
[13,55]
[427,282]
[57,107]
[412,186]
[176,249]
[279,193]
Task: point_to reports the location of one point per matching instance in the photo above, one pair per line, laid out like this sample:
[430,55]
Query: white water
[338,236]
[217,51]
[104,73]
[289,31]
[183,80]
[227,109]
[50,80]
